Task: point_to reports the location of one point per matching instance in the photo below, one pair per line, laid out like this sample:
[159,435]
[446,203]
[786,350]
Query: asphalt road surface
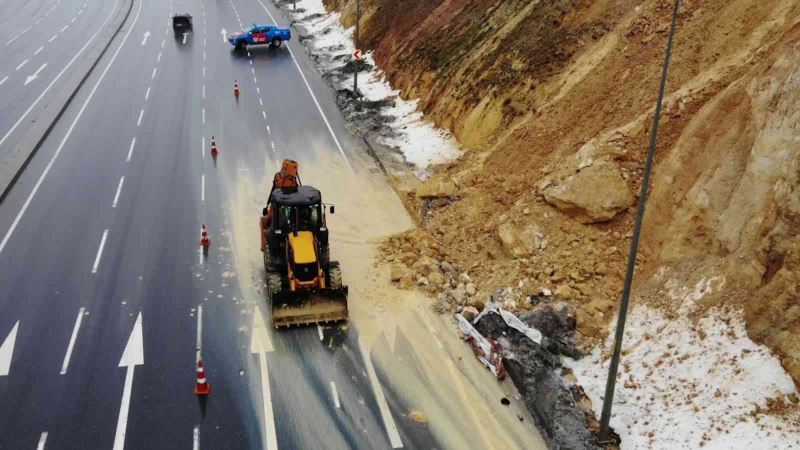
[106,303]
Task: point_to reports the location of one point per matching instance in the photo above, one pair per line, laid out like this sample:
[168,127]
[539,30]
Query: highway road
[106,301]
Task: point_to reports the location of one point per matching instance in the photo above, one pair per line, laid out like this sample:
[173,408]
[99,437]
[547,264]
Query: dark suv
[181,22]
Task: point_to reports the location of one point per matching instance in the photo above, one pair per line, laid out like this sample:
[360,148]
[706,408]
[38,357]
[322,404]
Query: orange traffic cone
[205,241]
[214,151]
[202,387]
[235,88]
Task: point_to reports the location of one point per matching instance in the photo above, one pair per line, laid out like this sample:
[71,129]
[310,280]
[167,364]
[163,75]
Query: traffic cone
[214,151]
[205,241]
[235,88]
[202,386]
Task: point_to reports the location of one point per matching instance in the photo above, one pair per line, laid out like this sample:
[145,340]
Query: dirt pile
[554,101]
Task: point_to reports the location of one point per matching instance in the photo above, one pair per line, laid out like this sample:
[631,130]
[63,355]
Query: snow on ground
[419,140]
[688,385]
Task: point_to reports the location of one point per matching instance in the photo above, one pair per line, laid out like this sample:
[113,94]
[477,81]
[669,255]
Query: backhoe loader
[304,285]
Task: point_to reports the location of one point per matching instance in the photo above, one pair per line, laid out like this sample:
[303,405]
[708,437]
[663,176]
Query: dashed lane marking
[42,441]
[147,94]
[335,396]
[100,251]
[119,190]
[72,339]
[21,65]
[130,150]
[141,114]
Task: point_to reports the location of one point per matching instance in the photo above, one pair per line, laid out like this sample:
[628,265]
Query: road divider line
[335,396]
[380,398]
[264,114]
[272,144]
[22,64]
[42,441]
[72,339]
[100,251]
[12,40]
[199,343]
[158,59]
[38,50]
[196,438]
[268,130]
[52,38]
[153,77]
[203,148]
[71,127]
[64,29]
[261,103]
[141,114]
[147,94]
[202,188]
[3,80]
[130,150]
[119,189]
[258,91]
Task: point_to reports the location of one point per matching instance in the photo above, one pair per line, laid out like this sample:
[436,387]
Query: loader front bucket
[310,307]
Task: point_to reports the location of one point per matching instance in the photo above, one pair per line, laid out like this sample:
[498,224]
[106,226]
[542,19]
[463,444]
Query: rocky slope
[553,101]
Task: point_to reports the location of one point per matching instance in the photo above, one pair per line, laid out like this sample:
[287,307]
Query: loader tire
[334,276]
[274,283]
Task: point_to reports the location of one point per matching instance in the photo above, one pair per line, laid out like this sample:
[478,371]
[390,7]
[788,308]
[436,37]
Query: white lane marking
[264,114]
[204,55]
[21,65]
[258,91]
[141,114]
[119,190]
[261,343]
[204,92]
[251,62]
[147,94]
[313,97]
[383,406]
[260,102]
[100,251]
[35,74]
[52,38]
[80,12]
[132,356]
[38,50]
[39,20]
[202,188]
[268,130]
[319,329]
[69,130]
[12,39]
[204,71]
[64,29]
[204,42]
[163,42]
[203,148]
[196,438]
[7,350]
[73,19]
[72,339]
[26,30]
[255,80]
[199,344]
[335,395]
[130,150]
[3,80]
[253,70]
[272,144]
[184,38]
[8,133]
[204,115]
[42,441]
[159,57]
[153,77]
[248,54]
[146,35]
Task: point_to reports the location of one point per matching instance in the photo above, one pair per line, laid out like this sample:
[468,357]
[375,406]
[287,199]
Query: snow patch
[418,139]
[687,384]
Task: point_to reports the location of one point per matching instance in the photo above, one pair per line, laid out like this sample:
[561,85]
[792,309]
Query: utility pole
[358,62]
[608,399]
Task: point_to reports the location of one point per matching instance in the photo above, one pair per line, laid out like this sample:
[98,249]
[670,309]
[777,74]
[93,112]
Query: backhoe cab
[304,285]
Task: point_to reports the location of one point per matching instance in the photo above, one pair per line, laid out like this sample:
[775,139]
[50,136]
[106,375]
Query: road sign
[357,55]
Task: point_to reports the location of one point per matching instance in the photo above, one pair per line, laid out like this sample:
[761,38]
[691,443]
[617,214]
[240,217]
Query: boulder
[519,241]
[469,312]
[594,194]
[437,187]
[398,271]
[564,292]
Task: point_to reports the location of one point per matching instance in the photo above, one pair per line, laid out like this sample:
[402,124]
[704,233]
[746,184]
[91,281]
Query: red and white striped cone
[214,151]
[235,88]
[202,386]
[205,241]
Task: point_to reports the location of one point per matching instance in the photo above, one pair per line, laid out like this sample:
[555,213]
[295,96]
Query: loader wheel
[274,283]
[334,276]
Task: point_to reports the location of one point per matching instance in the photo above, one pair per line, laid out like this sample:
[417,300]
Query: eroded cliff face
[554,101]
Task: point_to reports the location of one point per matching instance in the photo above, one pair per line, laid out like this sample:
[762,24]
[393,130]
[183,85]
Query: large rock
[519,241]
[594,194]
[437,187]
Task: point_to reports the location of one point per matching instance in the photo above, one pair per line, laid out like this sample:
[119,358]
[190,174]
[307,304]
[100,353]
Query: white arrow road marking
[100,251]
[184,38]
[35,74]
[146,35]
[7,350]
[383,406]
[261,343]
[335,395]
[224,35]
[42,441]
[72,339]
[132,356]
